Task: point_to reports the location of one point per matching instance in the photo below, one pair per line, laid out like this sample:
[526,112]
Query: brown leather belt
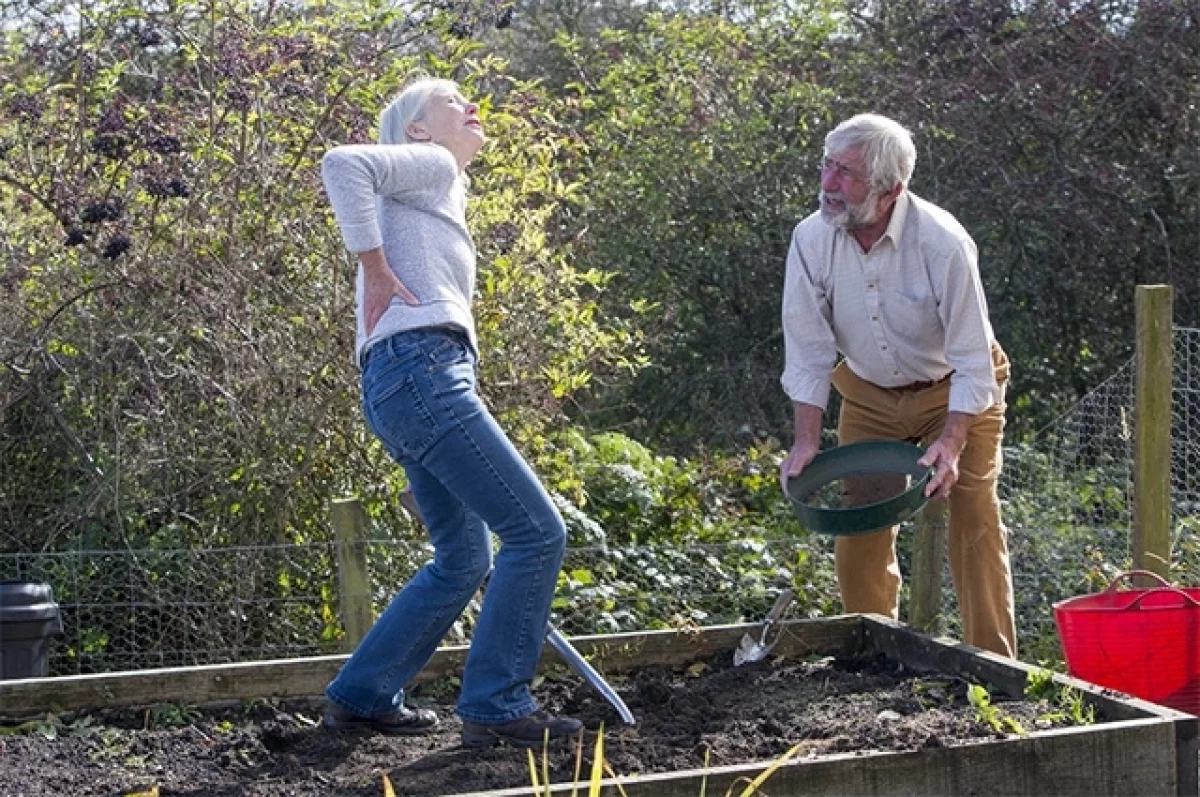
[916,386]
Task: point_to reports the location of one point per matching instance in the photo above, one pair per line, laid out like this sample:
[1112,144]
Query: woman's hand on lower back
[380,287]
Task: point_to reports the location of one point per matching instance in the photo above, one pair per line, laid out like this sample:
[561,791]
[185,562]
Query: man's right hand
[797,460]
[807,442]
[380,286]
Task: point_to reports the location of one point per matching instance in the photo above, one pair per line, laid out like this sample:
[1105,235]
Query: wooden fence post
[1151,538]
[929,543]
[349,526]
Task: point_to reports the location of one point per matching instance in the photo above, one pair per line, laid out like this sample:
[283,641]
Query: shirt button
[883,347]
[874,318]
[895,373]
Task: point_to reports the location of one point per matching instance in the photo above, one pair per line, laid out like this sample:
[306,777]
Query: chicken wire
[1066,498]
[137,609]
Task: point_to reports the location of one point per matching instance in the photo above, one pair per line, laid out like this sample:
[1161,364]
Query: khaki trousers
[867,570]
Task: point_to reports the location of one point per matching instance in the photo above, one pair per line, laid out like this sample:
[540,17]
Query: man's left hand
[943,455]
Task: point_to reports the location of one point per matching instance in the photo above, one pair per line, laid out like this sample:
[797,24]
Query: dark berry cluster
[236,60]
[239,98]
[164,144]
[505,235]
[110,146]
[291,88]
[103,210]
[111,136]
[112,120]
[294,48]
[473,15]
[116,246]
[149,36]
[167,188]
[26,107]
[75,237]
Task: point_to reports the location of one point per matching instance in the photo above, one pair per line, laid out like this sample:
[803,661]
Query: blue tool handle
[580,665]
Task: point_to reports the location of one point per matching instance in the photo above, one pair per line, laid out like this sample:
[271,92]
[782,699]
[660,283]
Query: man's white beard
[851,216]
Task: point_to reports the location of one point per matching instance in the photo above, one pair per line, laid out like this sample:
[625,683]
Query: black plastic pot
[28,618]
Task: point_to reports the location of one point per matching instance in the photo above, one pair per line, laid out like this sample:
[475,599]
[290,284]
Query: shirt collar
[896,223]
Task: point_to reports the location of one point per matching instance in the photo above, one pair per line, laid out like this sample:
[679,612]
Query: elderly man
[891,282]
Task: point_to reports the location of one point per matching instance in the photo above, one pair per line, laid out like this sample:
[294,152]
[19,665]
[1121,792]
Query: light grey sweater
[411,200]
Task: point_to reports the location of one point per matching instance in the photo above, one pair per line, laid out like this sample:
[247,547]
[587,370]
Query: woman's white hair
[408,107]
[886,146]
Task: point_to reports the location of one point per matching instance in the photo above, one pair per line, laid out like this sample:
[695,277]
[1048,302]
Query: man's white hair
[885,144]
[409,106]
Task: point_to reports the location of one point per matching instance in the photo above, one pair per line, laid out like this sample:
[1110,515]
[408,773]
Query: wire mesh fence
[138,609]
[1069,496]
[1067,502]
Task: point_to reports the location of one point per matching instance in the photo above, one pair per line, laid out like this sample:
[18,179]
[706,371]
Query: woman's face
[451,121]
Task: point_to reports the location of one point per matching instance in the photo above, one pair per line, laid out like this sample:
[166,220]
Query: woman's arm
[355,175]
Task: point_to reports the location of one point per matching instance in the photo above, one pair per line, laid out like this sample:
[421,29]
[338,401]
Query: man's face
[846,196]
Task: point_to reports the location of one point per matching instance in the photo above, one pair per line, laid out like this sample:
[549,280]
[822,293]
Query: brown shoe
[528,731]
[401,722]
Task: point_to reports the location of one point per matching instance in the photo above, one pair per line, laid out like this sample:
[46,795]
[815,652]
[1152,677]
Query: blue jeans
[420,400]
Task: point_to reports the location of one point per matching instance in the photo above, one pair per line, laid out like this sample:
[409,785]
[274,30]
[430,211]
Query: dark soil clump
[709,712]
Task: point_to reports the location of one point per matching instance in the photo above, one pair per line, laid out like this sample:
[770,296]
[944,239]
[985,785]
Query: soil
[711,712]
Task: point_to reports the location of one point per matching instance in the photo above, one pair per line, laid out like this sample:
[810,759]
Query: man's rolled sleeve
[806,387]
[963,308]
[972,396]
[810,351]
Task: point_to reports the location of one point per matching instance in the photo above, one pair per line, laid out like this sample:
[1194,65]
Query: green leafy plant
[1071,704]
[989,714]
[170,715]
[49,726]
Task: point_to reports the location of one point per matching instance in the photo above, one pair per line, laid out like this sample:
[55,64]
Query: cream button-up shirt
[910,310]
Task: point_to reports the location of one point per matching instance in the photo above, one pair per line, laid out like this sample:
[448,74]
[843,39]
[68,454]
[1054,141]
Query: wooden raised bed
[1140,749]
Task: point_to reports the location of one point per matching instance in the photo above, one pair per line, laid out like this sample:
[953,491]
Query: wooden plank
[840,635]
[1131,758]
[609,653]
[1187,750]
[349,527]
[305,677]
[1148,750]
[925,585]
[1152,431]
[194,685]
[925,653]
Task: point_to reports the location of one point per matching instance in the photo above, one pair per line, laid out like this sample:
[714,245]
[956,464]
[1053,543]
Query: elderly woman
[401,208]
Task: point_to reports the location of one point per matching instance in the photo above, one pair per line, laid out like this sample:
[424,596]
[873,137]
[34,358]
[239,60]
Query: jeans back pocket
[398,414]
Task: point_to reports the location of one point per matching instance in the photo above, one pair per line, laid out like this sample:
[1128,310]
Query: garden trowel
[756,650]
